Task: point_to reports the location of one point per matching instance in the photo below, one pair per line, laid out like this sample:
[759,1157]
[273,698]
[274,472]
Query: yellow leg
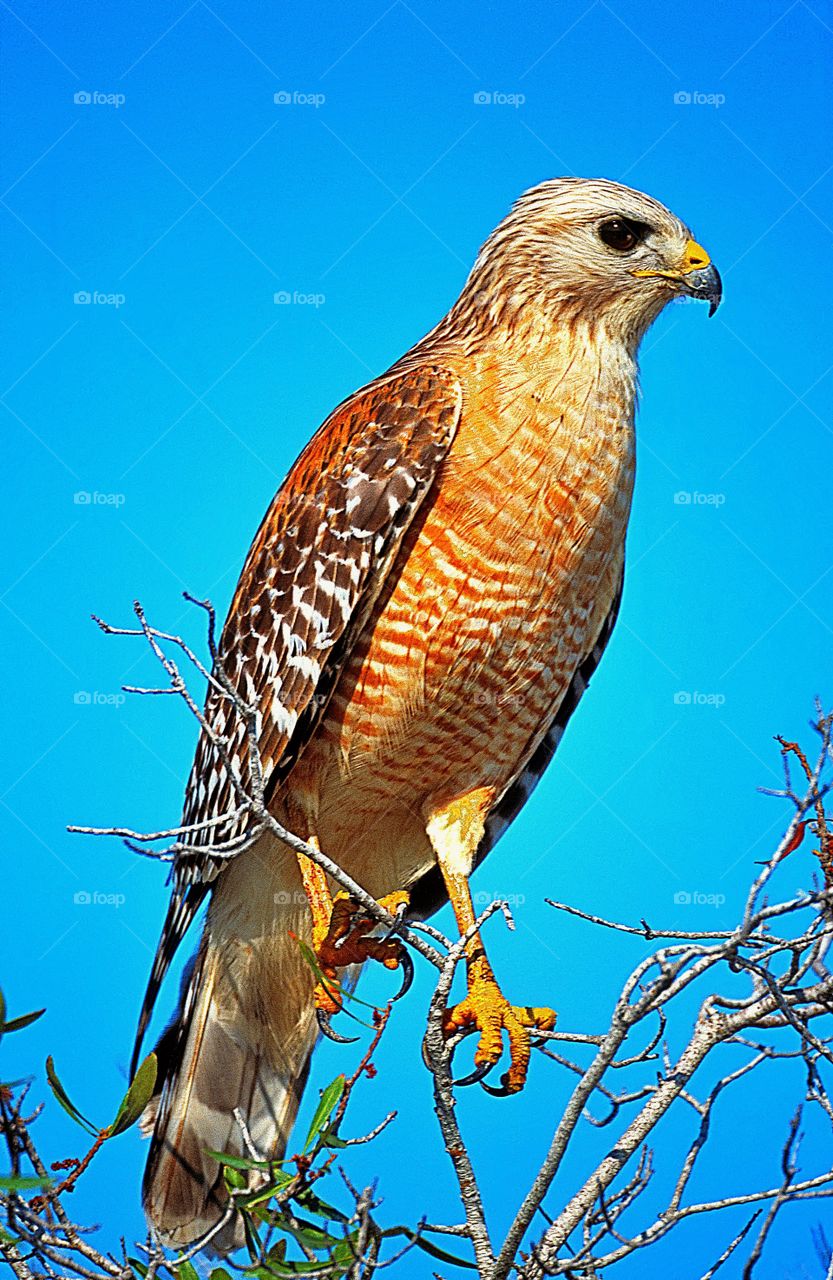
[320,902]
[455,832]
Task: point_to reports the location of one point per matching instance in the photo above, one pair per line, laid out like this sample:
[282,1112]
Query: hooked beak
[696,276]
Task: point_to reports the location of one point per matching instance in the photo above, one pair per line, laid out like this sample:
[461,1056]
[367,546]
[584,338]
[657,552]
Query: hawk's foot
[486,1009]
[347,940]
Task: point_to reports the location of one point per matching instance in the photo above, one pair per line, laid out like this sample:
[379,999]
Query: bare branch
[763,988]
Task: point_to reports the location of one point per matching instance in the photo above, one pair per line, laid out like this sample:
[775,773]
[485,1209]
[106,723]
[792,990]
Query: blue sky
[180,198]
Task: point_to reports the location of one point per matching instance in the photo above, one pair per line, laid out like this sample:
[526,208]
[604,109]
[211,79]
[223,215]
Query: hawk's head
[596,250]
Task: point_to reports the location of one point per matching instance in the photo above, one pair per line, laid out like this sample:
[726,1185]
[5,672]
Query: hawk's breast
[497,595]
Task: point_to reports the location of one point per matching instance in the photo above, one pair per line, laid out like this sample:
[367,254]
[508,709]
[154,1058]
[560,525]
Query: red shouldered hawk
[419,614]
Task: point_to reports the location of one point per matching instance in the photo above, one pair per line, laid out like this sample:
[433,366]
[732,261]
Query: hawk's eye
[621,234]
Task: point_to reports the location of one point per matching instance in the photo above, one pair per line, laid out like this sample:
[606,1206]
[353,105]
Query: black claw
[407,973]
[503,1092]
[323,1019]
[477,1076]
[399,916]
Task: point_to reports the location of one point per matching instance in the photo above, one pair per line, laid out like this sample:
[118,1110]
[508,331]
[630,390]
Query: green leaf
[259,1194]
[276,1264]
[61,1094]
[137,1097]
[344,1254]
[312,1203]
[311,959]
[329,1101]
[15,1183]
[242,1162]
[442,1256]
[233,1178]
[17,1024]
[219,1273]
[306,1233]
[252,1237]
[140,1268]
[431,1249]
[276,1267]
[333,988]
[186,1270]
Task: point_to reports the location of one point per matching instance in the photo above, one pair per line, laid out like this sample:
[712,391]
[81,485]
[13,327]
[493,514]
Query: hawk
[420,612]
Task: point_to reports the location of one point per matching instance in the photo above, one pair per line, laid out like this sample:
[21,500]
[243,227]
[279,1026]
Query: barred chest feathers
[501,590]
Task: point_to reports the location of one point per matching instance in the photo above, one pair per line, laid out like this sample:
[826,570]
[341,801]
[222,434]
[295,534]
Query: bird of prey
[420,612]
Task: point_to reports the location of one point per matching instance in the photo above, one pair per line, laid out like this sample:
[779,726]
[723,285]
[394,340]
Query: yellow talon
[341,939]
[486,1008]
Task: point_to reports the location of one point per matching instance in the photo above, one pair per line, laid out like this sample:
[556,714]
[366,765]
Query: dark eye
[622,234]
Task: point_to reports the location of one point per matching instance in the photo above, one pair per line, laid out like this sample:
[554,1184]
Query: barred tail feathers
[242,1041]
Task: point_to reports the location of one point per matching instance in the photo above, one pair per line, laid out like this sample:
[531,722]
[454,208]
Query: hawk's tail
[213,1061]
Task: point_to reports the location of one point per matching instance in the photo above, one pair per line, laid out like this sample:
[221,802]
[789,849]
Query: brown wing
[312,576]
